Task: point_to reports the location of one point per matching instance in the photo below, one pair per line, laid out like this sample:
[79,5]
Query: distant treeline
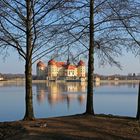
[119,77]
[12,76]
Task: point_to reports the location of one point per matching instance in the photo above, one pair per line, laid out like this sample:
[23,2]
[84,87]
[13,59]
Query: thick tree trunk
[89,106]
[29,114]
[138,109]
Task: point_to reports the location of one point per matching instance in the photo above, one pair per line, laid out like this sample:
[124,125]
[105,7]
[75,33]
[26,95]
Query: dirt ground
[78,127]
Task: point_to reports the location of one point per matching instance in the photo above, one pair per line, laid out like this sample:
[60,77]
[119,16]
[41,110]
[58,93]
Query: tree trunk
[89,106]
[29,114]
[138,109]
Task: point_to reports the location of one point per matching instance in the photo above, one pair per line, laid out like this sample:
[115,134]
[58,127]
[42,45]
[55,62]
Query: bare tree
[89,107]
[131,26]
[102,29]
[34,29]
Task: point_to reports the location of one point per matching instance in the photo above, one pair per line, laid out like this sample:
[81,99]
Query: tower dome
[52,62]
[41,64]
[41,70]
[81,63]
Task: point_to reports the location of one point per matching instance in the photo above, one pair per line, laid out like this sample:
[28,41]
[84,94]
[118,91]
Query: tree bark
[29,114]
[89,106]
[138,109]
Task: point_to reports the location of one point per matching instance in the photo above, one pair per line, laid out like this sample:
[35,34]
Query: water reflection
[11,83]
[55,92]
[109,98]
[41,90]
[61,92]
[59,99]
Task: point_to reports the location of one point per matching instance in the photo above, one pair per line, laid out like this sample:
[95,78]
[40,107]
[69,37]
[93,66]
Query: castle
[56,69]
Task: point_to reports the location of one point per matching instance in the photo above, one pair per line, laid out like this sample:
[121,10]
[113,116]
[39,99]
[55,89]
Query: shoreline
[75,127]
[46,81]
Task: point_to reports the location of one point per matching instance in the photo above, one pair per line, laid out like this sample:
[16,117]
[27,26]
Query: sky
[130,64]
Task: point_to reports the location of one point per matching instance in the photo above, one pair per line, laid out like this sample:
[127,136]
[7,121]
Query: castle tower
[52,68]
[81,69]
[41,70]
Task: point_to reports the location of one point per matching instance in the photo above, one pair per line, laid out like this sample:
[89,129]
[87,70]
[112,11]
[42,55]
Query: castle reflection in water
[55,92]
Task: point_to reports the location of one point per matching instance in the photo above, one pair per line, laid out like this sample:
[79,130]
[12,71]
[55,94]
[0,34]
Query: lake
[61,99]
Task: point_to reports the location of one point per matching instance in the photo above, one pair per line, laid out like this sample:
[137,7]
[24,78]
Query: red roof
[70,67]
[41,64]
[81,63]
[60,64]
[63,64]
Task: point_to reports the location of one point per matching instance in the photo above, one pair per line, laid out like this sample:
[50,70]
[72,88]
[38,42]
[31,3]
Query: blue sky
[130,64]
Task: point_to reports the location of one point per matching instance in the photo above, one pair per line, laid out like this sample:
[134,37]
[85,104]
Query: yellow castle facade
[61,69]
